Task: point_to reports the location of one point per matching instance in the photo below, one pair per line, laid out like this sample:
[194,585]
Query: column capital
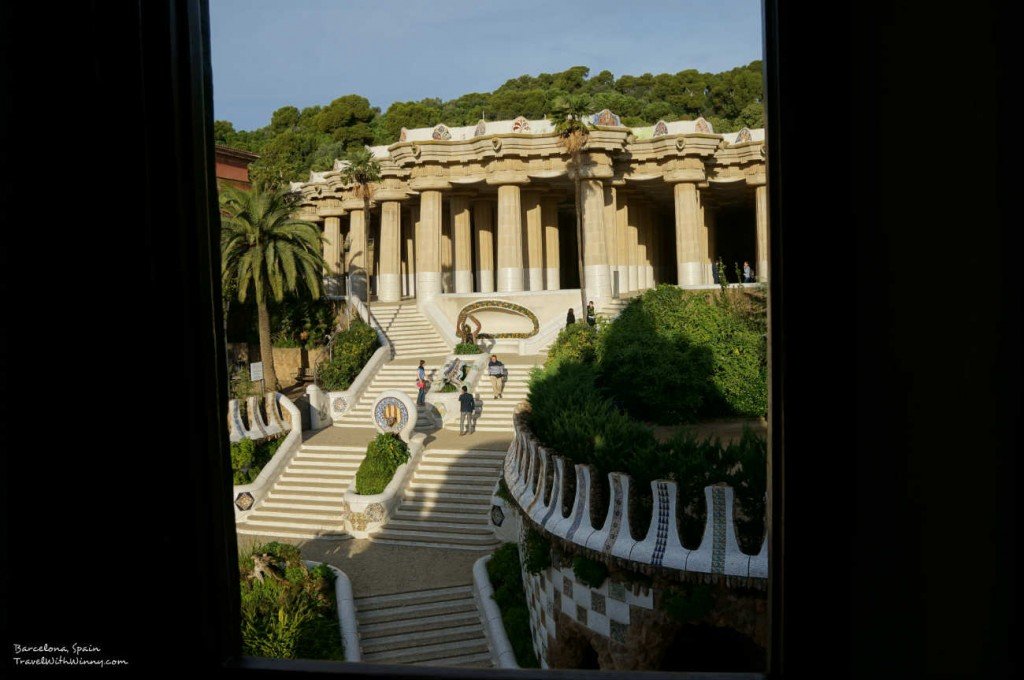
[758,180]
[429,184]
[331,212]
[504,177]
[685,175]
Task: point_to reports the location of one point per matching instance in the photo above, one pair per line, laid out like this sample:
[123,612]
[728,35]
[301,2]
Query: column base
[510,280]
[650,276]
[596,278]
[552,278]
[632,278]
[428,285]
[389,287]
[690,273]
[485,280]
[535,275]
[463,281]
[761,273]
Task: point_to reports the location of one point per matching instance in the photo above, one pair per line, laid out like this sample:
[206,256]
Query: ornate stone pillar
[358,258]
[633,244]
[710,220]
[447,278]
[650,227]
[610,237]
[595,253]
[534,240]
[463,263]
[622,240]
[389,284]
[761,207]
[704,238]
[428,242]
[549,218]
[483,225]
[689,267]
[510,239]
[409,239]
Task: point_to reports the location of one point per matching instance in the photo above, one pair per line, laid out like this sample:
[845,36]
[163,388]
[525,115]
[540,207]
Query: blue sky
[272,53]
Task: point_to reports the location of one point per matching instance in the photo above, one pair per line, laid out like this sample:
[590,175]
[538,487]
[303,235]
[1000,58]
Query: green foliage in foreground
[249,457]
[467,348]
[507,580]
[687,602]
[352,348]
[384,455]
[589,572]
[291,615]
[538,551]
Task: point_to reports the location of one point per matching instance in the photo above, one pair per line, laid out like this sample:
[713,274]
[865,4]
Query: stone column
[428,242]
[549,219]
[643,249]
[409,238]
[534,240]
[332,255]
[463,264]
[622,240]
[358,259]
[633,244]
[710,220]
[510,239]
[761,206]
[650,229]
[688,264]
[610,237]
[595,253]
[447,279]
[389,283]
[483,225]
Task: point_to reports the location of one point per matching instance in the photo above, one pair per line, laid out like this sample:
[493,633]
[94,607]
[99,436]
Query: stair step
[462,495]
[442,650]
[442,537]
[399,626]
[406,514]
[292,523]
[430,525]
[421,639]
[443,508]
[292,533]
[479,660]
[329,517]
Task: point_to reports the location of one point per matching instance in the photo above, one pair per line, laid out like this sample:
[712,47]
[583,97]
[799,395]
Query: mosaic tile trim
[581,614]
[556,495]
[579,509]
[567,586]
[480,129]
[390,415]
[520,124]
[618,632]
[718,530]
[660,129]
[441,132]
[662,530]
[617,591]
[597,601]
[503,306]
[613,533]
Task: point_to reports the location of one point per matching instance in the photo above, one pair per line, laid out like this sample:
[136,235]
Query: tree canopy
[296,141]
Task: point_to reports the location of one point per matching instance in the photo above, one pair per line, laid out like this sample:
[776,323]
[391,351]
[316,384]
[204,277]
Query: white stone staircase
[610,307]
[305,501]
[496,414]
[411,334]
[438,627]
[395,375]
[447,502]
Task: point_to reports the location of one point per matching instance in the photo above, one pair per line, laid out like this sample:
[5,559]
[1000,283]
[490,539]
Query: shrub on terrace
[506,578]
[351,349]
[467,348]
[385,454]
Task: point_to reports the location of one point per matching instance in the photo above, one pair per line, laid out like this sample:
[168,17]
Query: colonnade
[512,244]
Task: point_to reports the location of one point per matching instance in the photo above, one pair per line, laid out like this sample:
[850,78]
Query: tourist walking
[591,314]
[421,384]
[570,318]
[467,407]
[498,373]
[748,273]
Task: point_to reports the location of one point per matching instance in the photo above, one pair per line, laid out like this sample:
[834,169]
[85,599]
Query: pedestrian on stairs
[421,384]
[498,373]
[570,318]
[467,408]
[591,314]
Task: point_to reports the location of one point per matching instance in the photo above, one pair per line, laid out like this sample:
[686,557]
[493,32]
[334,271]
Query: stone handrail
[246,496]
[525,474]
[346,605]
[494,629]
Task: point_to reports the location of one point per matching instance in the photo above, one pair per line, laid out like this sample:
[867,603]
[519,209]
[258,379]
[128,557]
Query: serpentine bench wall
[526,475]
[282,417]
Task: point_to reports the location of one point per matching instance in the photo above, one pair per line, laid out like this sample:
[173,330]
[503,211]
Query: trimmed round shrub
[351,349]
[577,342]
[385,454]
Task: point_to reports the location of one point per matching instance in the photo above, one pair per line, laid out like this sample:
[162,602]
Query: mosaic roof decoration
[391,415]
[481,128]
[607,118]
[743,136]
[441,132]
[520,124]
[701,125]
[403,135]
[660,129]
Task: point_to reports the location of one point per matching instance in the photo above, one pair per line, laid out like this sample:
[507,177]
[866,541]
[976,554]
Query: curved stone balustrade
[526,475]
[257,428]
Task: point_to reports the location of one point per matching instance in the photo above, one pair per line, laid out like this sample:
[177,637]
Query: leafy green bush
[467,348]
[577,342]
[290,614]
[538,552]
[506,578]
[589,572]
[242,453]
[447,388]
[351,349]
[384,455]
[248,458]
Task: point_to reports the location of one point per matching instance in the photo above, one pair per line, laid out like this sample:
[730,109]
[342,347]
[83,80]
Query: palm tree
[266,251]
[569,119]
[361,172]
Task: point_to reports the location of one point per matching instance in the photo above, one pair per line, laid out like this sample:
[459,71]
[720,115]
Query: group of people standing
[467,402]
[570,318]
